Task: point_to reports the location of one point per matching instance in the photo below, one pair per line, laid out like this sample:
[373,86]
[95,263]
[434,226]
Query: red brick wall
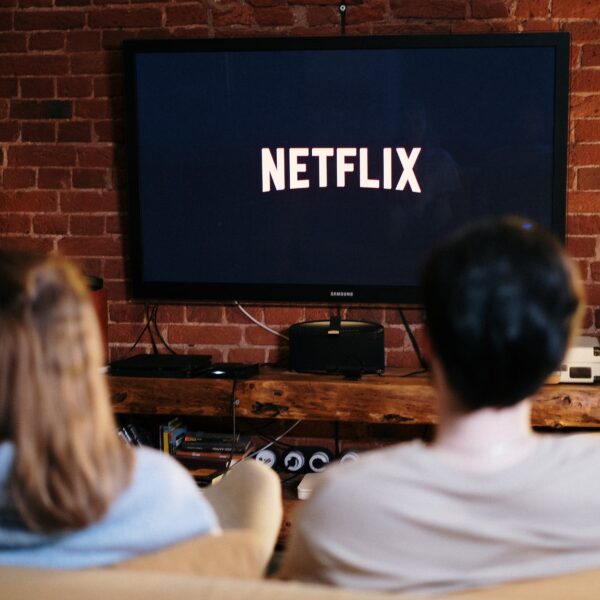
[61,148]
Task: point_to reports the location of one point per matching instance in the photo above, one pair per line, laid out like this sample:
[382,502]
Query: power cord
[141,334]
[342,8]
[413,373]
[274,441]
[234,403]
[157,329]
[149,320]
[257,322]
[151,315]
[413,341]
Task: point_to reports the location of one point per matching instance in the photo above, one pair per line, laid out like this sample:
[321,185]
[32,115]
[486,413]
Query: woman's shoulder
[159,470]
[150,458]
[162,487]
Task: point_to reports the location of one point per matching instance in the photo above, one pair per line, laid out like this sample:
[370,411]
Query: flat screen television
[322,170]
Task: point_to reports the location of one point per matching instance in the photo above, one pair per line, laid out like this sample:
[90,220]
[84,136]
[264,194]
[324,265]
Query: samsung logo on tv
[341,294]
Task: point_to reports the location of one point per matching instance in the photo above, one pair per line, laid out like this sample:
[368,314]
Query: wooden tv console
[388,398]
[391,399]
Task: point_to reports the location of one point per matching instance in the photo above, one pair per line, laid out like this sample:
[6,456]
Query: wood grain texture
[390,398]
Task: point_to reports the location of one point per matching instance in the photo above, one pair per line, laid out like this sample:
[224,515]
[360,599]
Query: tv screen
[324,169]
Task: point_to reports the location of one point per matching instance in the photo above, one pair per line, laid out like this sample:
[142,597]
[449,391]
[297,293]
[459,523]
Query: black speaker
[347,347]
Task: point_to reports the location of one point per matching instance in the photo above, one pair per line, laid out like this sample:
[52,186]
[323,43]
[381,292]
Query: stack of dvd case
[210,449]
[207,455]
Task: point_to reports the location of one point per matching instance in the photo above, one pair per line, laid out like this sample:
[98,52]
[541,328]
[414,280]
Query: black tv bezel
[252,292]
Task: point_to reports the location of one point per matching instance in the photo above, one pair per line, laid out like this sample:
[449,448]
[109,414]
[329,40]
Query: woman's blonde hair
[69,464]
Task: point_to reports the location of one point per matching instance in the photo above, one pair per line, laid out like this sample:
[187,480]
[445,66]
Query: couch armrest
[247,497]
[247,502]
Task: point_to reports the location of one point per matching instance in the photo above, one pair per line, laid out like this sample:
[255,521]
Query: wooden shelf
[389,398]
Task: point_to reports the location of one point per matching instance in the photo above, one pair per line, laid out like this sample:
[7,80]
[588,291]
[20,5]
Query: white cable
[265,327]
[252,454]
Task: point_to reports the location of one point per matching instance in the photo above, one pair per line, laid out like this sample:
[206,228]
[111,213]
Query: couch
[231,566]
[110,584]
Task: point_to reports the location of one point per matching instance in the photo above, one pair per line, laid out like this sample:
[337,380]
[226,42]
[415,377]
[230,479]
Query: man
[489,500]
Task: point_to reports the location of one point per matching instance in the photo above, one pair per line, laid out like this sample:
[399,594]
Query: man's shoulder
[371,467]
[347,496]
[575,447]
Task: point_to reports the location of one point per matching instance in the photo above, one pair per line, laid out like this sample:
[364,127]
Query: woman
[72,495]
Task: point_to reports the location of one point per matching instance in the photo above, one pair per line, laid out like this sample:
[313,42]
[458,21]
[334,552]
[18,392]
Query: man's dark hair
[500,302]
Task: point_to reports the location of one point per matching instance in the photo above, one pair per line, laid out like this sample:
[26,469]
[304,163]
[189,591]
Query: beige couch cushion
[235,553]
[36,584]
[584,585]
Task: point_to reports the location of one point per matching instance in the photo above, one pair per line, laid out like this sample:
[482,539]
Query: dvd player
[161,365]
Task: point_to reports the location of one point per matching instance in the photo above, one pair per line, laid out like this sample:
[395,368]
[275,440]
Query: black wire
[413,340]
[137,341]
[149,321]
[233,425]
[275,441]
[343,7]
[156,328]
[141,334]
[258,432]
[151,314]
[412,373]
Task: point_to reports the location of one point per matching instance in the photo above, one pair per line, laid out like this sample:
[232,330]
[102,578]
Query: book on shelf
[210,436]
[201,449]
[207,459]
[215,442]
[171,435]
[210,454]
[216,447]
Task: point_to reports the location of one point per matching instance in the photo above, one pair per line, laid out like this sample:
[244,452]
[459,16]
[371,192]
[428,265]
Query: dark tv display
[324,169]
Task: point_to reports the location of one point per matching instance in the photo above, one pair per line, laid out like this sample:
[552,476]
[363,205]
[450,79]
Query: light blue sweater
[161,506]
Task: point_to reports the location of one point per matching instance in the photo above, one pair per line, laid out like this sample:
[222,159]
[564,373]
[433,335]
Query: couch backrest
[110,584]
[101,584]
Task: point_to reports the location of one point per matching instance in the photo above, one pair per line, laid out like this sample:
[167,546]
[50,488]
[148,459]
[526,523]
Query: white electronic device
[294,460]
[306,486]
[582,362]
[317,463]
[267,457]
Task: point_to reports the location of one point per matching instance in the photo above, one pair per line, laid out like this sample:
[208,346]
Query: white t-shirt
[402,520]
